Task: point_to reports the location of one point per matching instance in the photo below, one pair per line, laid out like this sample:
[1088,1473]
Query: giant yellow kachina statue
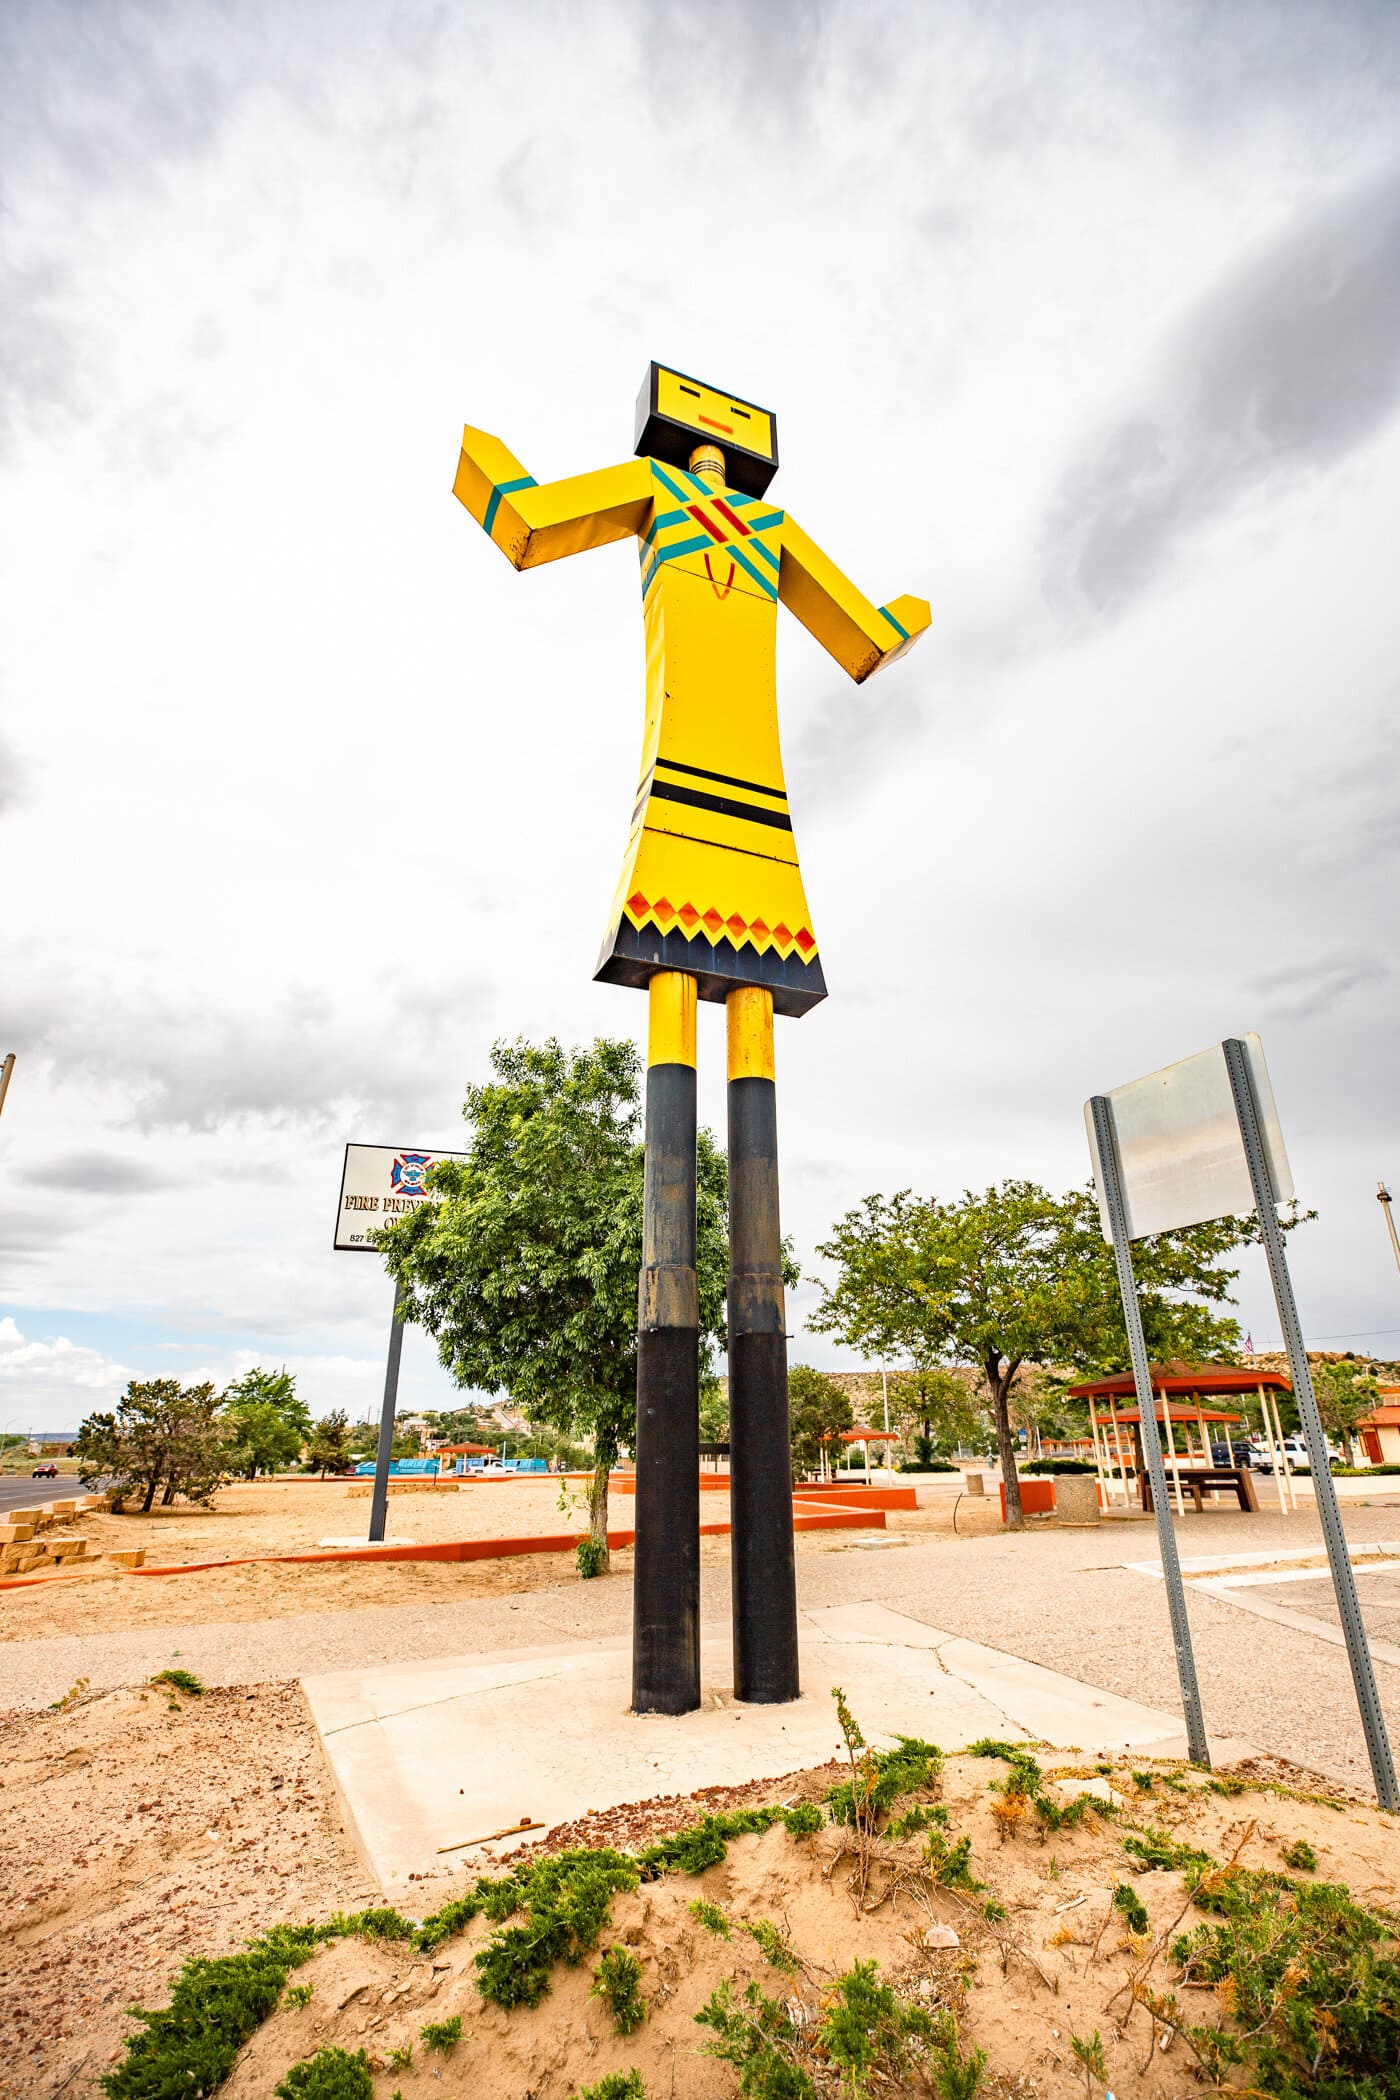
[710,904]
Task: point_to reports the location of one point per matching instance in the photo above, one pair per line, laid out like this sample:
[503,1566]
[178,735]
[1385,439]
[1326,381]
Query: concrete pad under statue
[430,1759]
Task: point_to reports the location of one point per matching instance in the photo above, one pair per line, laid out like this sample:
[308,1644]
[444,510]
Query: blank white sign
[1180,1155]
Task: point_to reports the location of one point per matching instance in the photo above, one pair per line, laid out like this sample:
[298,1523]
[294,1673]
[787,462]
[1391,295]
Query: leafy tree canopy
[1015,1275]
[261,1439]
[817,1409]
[162,1437]
[275,1389]
[524,1270]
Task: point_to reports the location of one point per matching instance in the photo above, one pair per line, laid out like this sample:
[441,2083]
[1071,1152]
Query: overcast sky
[1083,323]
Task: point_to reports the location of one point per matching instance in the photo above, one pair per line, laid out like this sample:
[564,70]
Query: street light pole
[9,1064]
[1382,1197]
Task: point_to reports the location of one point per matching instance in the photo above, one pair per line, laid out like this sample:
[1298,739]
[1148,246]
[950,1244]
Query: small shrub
[758,2038]
[922,1816]
[70,1698]
[703,1844]
[179,1681]
[867,2029]
[1301,1856]
[566,1900]
[776,1951]
[331,2074]
[1089,2051]
[442,2035]
[615,1981]
[215,2006]
[590,1558]
[879,1777]
[617,2085]
[297,1995]
[1157,1848]
[804,1821]
[711,1917]
[950,1863]
[401,2058]
[1128,1904]
[382,1926]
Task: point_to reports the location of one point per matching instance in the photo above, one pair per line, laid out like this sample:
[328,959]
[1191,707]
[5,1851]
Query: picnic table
[1196,1480]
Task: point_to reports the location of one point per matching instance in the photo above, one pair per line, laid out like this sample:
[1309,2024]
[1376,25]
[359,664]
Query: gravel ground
[1061,1598]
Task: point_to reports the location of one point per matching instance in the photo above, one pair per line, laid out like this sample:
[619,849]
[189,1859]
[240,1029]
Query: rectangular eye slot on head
[693,391]
[738,412]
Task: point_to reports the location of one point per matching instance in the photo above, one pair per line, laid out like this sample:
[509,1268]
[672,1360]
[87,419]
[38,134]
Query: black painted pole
[760,1448]
[666,1566]
[379,1505]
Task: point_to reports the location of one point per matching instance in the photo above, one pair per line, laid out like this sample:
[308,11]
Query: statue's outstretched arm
[860,636]
[531,524]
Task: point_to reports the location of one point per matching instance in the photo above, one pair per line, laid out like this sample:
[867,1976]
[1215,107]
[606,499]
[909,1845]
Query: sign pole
[379,1505]
[1107,1149]
[1343,1578]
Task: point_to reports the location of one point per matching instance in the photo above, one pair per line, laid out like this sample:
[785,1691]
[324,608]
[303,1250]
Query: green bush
[711,1917]
[179,1681]
[1129,1905]
[442,2035]
[1302,1967]
[884,1776]
[590,1558]
[758,2039]
[615,1981]
[330,2074]
[617,2085]
[215,2006]
[1301,1857]
[1056,1465]
[932,1465]
[1362,1472]
[804,1821]
[566,1900]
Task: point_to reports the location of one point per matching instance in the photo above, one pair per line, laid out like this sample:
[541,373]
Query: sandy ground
[111,1880]
[293,1517]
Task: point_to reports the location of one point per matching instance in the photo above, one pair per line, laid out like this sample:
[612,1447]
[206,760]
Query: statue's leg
[760,1450]
[666,1575]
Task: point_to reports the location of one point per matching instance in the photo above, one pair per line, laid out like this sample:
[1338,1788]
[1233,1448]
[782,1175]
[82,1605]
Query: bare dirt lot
[113,1875]
[257,1518]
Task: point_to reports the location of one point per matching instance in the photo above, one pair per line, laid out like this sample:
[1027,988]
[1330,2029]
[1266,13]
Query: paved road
[24,1493]
[1061,1598]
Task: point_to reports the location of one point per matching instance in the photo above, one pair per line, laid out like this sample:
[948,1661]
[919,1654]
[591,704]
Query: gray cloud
[96,1174]
[306,1063]
[1277,374]
[1303,991]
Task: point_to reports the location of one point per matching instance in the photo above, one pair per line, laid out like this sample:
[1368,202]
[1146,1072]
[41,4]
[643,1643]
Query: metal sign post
[379,1184]
[379,1501]
[1339,1560]
[1111,1191]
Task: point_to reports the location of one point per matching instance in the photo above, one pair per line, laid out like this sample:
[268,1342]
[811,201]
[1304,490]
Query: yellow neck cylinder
[708,462]
[671,1019]
[749,1017]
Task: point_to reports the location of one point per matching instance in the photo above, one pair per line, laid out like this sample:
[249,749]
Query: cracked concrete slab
[430,1758]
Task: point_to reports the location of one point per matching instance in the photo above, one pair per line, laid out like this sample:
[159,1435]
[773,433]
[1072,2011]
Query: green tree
[1345,1392]
[939,1409]
[714,1410]
[261,1439]
[524,1269]
[197,1453]
[1017,1276]
[329,1448]
[267,1422]
[163,1435]
[818,1410]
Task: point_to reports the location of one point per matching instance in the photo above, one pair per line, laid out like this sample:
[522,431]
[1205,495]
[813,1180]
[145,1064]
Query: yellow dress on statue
[710,881]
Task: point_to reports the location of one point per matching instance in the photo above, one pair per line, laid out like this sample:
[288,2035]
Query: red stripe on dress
[709,525]
[726,512]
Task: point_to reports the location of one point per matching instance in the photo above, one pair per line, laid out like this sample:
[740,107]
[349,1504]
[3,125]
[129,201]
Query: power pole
[9,1064]
[1382,1197]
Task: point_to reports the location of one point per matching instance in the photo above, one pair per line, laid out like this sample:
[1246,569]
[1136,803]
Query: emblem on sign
[406,1174]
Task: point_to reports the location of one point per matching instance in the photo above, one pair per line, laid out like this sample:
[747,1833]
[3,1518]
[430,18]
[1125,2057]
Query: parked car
[1296,1452]
[48,1472]
[1240,1454]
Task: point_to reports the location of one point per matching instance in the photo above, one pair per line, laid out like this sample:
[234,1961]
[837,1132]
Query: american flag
[1249,1345]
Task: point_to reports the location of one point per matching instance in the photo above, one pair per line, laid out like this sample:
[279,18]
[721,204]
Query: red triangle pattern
[689,915]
